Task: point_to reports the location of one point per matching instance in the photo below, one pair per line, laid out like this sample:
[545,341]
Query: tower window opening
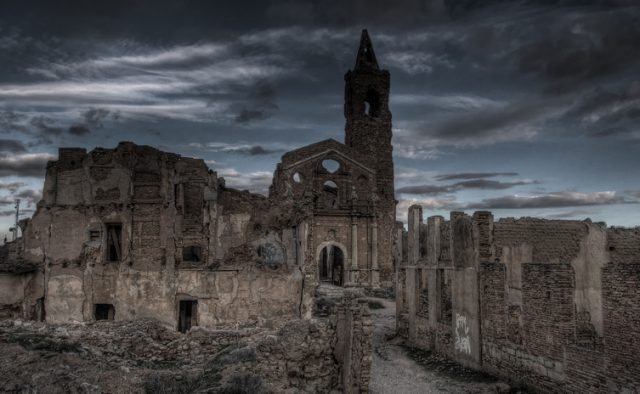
[372,104]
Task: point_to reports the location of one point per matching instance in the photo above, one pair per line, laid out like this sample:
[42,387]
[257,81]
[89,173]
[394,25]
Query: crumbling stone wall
[142,230]
[543,302]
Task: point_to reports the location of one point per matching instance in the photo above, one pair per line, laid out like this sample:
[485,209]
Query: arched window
[372,103]
[330,194]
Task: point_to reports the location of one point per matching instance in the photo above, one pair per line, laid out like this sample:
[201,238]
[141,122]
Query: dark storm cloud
[483,184]
[582,46]
[27,165]
[473,175]
[12,146]
[493,124]
[605,112]
[92,119]
[259,105]
[550,200]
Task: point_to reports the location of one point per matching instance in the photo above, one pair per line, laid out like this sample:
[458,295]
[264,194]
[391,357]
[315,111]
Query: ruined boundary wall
[138,232]
[552,304]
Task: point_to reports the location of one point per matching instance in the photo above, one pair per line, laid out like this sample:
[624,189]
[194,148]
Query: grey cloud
[11,186]
[30,195]
[425,189]
[12,146]
[250,115]
[473,175]
[581,46]
[550,200]
[484,184]
[28,164]
[78,130]
[12,212]
[261,104]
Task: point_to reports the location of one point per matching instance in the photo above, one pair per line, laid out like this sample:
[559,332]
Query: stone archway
[331,264]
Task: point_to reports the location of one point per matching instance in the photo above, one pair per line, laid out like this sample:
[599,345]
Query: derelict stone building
[133,232]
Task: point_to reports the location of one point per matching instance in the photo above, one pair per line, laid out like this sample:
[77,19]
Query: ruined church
[133,232]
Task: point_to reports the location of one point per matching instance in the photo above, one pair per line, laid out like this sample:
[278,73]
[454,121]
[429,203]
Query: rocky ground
[144,357]
[399,369]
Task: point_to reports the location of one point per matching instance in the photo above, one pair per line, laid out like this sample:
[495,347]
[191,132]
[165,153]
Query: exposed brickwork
[554,314]
[492,287]
[553,241]
[624,245]
[549,313]
[621,301]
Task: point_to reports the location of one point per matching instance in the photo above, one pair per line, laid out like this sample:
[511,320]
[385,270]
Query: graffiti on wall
[463,341]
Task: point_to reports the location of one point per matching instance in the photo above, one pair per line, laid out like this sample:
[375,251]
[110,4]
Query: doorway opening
[187,315]
[104,312]
[331,265]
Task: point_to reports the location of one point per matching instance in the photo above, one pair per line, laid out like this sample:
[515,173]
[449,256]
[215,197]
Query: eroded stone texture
[549,303]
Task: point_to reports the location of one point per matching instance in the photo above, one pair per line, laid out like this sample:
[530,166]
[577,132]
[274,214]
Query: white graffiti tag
[463,344]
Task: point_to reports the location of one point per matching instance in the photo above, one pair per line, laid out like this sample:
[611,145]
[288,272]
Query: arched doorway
[331,265]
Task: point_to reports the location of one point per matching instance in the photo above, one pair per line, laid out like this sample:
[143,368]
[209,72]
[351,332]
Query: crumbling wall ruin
[548,303]
[140,231]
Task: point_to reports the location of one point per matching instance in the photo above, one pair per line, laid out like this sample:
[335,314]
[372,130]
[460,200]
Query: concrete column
[410,294]
[415,218]
[434,236]
[354,251]
[375,273]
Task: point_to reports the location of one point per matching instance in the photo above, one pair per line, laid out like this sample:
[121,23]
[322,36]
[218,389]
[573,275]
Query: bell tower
[368,119]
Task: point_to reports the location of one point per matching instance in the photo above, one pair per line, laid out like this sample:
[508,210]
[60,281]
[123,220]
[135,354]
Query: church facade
[133,232]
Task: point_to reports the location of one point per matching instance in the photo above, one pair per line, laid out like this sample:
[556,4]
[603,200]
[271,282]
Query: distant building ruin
[133,232]
[554,304]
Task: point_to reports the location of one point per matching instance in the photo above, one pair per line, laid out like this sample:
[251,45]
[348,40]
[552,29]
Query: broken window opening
[187,315]
[330,165]
[104,312]
[372,103]
[192,253]
[297,177]
[114,242]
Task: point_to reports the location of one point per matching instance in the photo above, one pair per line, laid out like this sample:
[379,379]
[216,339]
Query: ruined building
[554,304]
[133,232]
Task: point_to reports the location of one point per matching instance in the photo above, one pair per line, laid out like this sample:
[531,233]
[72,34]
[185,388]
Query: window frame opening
[187,314]
[192,253]
[114,242]
[104,312]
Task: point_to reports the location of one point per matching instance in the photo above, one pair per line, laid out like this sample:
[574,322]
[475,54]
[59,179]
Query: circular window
[330,165]
[297,177]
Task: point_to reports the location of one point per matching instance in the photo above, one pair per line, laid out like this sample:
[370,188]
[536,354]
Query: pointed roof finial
[366,57]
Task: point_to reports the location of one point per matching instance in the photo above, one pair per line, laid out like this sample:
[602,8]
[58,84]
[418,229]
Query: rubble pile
[143,356]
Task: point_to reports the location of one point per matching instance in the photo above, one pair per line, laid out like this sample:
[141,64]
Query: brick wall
[624,245]
[553,241]
[548,308]
[621,302]
[492,302]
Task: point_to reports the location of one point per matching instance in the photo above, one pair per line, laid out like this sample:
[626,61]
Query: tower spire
[366,58]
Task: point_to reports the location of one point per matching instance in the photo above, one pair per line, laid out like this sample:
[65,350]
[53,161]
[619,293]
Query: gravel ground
[398,369]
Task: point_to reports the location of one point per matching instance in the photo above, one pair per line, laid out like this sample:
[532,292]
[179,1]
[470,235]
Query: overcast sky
[525,108]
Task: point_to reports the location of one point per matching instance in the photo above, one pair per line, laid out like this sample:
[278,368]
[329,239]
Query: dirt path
[394,369]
